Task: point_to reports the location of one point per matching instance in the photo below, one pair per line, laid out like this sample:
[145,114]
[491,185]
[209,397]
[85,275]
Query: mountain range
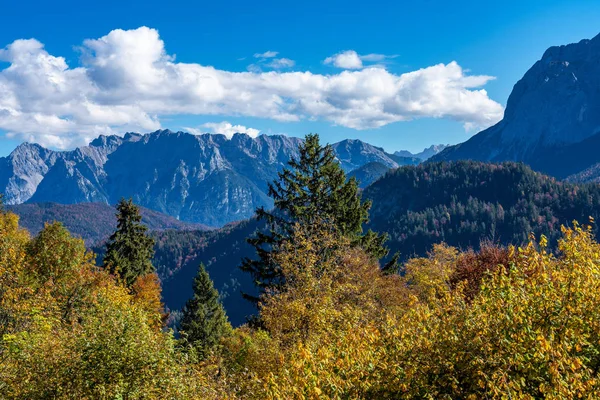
[207,179]
[552,117]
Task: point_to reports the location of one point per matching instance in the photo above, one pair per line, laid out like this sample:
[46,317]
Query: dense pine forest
[500,298]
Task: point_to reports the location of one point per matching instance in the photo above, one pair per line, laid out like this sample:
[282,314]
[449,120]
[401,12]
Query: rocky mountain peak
[353,153]
[550,113]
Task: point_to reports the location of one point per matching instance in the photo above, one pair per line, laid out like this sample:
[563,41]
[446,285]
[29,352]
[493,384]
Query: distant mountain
[425,154]
[369,173]
[92,222]
[353,154]
[207,179]
[552,118]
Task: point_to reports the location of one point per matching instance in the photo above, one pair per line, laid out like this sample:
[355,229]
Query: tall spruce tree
[129,250]
[204,321]
[313,189]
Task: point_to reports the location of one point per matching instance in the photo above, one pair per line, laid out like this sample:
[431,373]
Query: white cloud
[348,59]
[266,54]
[280,63]
[275,63]
[127,81]
[267,60]
[224,128]
[373,57]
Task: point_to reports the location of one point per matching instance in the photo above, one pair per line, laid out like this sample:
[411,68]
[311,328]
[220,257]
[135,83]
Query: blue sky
[499,39]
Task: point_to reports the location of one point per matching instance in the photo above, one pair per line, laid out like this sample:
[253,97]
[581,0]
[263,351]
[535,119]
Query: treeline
[333,320]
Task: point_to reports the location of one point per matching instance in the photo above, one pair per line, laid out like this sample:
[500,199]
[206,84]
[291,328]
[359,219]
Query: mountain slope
[368,173]
[590,174]
[92,222]
[552,117]
[207,179]
[463,203]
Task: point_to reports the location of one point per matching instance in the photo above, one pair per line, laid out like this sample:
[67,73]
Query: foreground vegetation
[518,322]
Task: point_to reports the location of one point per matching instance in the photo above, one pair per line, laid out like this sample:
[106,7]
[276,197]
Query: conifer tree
[313,188]
[130,250]
[204,321]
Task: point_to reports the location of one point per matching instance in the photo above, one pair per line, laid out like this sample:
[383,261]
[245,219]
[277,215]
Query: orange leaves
[325,322]
[146,294]
[519,322]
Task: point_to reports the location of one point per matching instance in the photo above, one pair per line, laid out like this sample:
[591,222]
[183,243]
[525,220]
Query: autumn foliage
[71,331]
[456,325]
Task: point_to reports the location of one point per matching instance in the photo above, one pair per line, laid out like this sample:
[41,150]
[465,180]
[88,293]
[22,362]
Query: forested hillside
[464,203]
[178,254]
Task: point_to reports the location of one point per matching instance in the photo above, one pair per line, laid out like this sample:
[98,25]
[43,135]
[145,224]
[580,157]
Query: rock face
[425,154]
[206,179]
[552,117]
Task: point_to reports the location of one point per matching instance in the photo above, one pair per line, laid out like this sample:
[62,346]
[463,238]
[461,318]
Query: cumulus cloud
[350,59]
[224,128]
[126,81]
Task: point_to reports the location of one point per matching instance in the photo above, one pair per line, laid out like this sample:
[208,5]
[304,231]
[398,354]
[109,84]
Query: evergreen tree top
[129,250]
[204,321]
